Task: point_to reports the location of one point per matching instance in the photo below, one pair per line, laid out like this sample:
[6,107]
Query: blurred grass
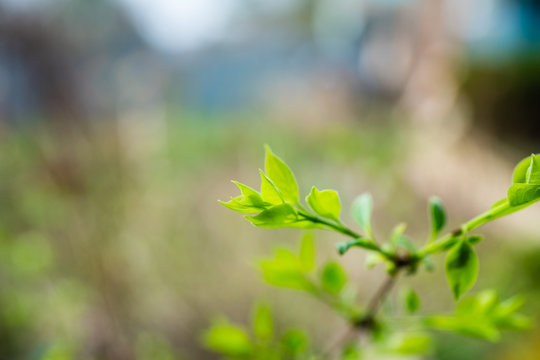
[113,245]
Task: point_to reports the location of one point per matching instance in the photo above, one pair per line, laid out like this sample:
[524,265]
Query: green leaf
[405,243]
[474,239]
[333,278]
[532,175]
[277,275]
[227,339]
[397,239]
[519,194]
[483,315]
[397,233]
[516,322]
[361,211]
[526,185]
[285,270]
[502,314]
[307,252]
[275,217]
[527,171]
[428,263]
[249,202]
[470,326]
[351,352]
[237,205]
[519,175]
[461,268]
[325,203]
[481,304]
[438,216]
[269,192]
[282,176]
[510,306]
[263,324]
[412,301]
[410,344]
[250,194]
[293,343]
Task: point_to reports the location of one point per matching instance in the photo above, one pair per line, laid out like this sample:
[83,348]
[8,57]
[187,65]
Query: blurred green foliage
[112,245]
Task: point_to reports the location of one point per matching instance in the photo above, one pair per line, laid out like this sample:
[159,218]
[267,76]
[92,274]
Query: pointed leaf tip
[437,215]
[269,191]
[281,175]
[519,176]
[532,176]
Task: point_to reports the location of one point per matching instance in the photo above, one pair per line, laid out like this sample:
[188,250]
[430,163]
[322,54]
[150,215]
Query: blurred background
[122,122]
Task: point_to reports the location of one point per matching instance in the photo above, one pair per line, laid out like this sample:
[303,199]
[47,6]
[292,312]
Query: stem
[367,244]
[337,342]
[343,309]
[447,240]
[367,322]
[487,216]
[337,227]
[440,244]
[380,295]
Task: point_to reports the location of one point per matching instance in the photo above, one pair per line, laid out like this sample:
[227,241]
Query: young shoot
[277,204]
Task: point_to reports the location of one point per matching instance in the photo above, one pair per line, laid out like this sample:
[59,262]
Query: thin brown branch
[367,322]
[337,342]
[380,295]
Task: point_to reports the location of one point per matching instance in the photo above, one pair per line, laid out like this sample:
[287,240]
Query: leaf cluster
[277,204]
[483,316]
[262,342]
[327,282]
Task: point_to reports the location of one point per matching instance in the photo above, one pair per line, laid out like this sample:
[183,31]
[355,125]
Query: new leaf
[412,301]
[526,179]
[333,278]
[263,324]
[325,203]
[282,176]
[228,339]
[461,268]
[275,217]
[361,211]
[519,194]
[269,192]
[285,270]
[249,202]
[483,316]
[438,216]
